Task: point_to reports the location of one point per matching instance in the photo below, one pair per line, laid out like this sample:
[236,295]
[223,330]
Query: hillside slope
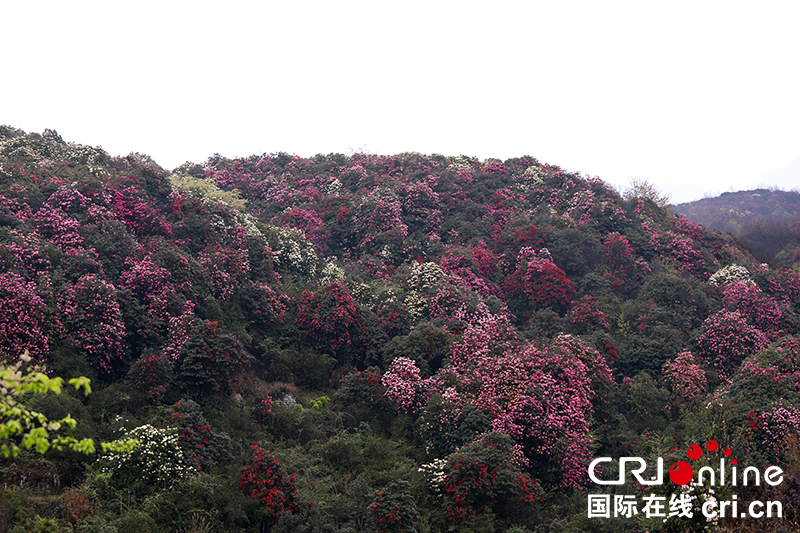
[389,327]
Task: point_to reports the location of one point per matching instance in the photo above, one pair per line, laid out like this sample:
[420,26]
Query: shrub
[263,479]
[157,460]
[684,374]
[727,339]
[211,362]
[328,315]
[202,446]
[393,510]
[483,476]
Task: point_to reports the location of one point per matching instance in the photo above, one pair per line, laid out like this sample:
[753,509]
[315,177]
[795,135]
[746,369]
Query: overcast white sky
[698,97]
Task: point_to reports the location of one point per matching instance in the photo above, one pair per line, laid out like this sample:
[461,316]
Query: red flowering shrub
[153,376]
[363,388]
[623,270]
[537,284]
[485,476]
[328,315]
[202,446]
[527,236]
[264,479]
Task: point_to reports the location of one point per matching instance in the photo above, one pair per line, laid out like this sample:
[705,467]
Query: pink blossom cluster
[684,374]
[728,339]
[758,308]
[91,315]
[23,319]
[586,315]
[402,381]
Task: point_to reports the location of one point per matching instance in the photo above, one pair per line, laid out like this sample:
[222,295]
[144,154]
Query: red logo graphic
[682,473]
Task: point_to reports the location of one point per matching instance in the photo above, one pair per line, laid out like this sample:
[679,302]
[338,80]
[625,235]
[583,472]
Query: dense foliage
[371,343]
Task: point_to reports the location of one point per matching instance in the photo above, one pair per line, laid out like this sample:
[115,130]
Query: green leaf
[81,382]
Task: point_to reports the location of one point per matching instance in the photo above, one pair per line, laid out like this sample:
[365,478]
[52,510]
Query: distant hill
[766,221]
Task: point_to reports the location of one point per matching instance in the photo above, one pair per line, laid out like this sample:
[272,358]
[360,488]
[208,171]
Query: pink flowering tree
[727,339]
[91,315]
[762,400]
[543,396]
[686,377]
[587,317]
[152,285]
[758,308]
[378,223]
[540,396]
[58,227]
[402,381]
[23,318]
[309,222]
[463,264]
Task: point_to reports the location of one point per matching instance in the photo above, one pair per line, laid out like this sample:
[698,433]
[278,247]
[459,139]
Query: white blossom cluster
[521,188]
[87,155]
[21,147]
[460,163]
[206,191]
[294,251]
[534,176]
[383,194]
[424,276]
[144,160]
[331,272]
[435,473]
[248,222]
[97,171]
[699,497]
[730,274]
[363,293]
[334,187]
[157,458]
[416,304]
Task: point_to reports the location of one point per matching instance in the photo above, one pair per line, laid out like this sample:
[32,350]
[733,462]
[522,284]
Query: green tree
[211,362]
[24,429]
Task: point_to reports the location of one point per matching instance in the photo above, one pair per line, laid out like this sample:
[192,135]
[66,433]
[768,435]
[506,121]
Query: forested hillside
[373,343]
[766,221]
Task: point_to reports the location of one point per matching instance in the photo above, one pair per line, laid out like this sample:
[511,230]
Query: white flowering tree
[730,274]
[157,460]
